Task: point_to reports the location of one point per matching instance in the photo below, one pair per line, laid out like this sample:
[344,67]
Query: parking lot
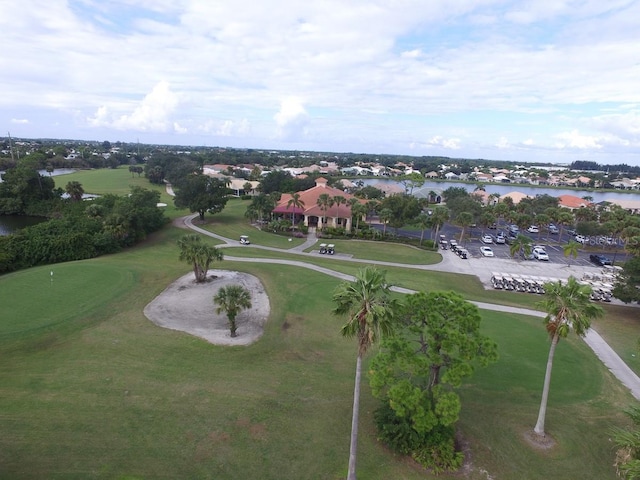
[553,245]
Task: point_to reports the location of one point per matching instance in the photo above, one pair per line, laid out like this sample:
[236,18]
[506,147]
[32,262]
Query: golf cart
[331,249]
[244,240]
[323,248]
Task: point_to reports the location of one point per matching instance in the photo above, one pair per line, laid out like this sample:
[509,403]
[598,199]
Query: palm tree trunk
[539,429]
[354,421]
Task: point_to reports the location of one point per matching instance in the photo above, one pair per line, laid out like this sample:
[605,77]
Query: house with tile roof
[313,215]
[516,197]
[572,202]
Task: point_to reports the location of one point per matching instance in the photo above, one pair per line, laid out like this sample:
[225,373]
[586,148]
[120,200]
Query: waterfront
[504,188]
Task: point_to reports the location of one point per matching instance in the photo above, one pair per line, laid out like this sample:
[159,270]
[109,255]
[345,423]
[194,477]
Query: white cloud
[153,113]
[292,119]
[448,143]
[502,143]
[19,120]
[575,139]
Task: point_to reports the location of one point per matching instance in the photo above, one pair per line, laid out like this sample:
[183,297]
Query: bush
[435,449]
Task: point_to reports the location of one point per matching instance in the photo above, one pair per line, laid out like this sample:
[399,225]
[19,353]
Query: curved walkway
[602,350]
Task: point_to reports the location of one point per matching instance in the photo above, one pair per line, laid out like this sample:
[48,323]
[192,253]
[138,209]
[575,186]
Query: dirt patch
[539,442]
[188,306]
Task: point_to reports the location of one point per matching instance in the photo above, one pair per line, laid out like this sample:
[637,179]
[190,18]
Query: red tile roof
[310,200]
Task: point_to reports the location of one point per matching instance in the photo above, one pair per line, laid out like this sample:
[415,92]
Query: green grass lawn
[89,388]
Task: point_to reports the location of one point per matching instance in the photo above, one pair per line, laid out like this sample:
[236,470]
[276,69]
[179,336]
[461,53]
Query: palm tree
[75,190]
[464,219]
[338,200]
[385,215]
[296,203]
[568,307]
[193,250]
[439,217]
[424,221]
[369,309]
[324,202]
[571,250]
[358,210]
[521,244]
[232,300]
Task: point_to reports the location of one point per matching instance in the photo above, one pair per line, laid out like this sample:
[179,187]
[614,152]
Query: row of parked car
[457,249]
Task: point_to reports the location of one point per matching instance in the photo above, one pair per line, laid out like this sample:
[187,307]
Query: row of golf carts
[600,291]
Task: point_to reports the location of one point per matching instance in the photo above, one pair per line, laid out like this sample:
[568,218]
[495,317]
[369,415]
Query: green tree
[627,286]
[325,202]
[232,299]
[627,441]
[294,202]
[358,211]
[570,249]
[201,193]
[464,219]
[74,190]
[369,311]
[417,371]
[424,221]
[385,216]
[568,307]
[439,217]
[520,245]
[194,251]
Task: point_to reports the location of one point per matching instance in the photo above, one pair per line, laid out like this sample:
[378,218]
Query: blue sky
[537,80]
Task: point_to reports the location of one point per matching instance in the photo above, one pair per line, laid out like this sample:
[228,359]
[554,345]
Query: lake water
[56,172]
[11,223]
[504,188]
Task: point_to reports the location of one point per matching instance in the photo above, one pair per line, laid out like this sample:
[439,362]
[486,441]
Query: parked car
[486,251]
[533,229]
[540,254]
[493,226]
[500,238]
[572,232]
[580,239]
[463,253]
[486,238]
[600,260]
[553,229]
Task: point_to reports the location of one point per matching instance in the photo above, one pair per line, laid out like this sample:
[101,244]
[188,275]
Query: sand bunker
[188,306]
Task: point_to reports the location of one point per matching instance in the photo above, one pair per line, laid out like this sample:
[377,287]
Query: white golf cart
[244,240]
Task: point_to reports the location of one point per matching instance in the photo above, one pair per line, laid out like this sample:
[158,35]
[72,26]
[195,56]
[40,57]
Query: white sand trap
[188,306]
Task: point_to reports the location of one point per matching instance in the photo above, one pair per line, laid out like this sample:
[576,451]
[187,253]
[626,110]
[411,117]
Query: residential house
[572,202]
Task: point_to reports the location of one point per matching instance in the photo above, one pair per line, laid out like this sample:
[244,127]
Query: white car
[533,229]
[487,238]
[540,254]
[580,238]
[486,251]
[501,239]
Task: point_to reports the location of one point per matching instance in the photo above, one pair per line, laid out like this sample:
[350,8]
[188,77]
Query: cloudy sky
[536,80]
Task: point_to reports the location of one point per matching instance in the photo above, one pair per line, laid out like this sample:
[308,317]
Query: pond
[502,189]
[11,223]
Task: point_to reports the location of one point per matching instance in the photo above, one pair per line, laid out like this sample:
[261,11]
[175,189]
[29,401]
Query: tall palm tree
[385,215]
[571,250]
[424,221]
[521,244]
[568,307]
[439,217]
[193,250]
[464,219]
[232,299]
[369,310]
[296,203]
[338,200]
[358,210]
[324,201]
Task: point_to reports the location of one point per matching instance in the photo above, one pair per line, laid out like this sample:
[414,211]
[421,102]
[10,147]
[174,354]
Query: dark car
[600,260]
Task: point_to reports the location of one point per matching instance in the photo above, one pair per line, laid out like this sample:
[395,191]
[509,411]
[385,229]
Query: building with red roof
[311,213]
[572,202]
